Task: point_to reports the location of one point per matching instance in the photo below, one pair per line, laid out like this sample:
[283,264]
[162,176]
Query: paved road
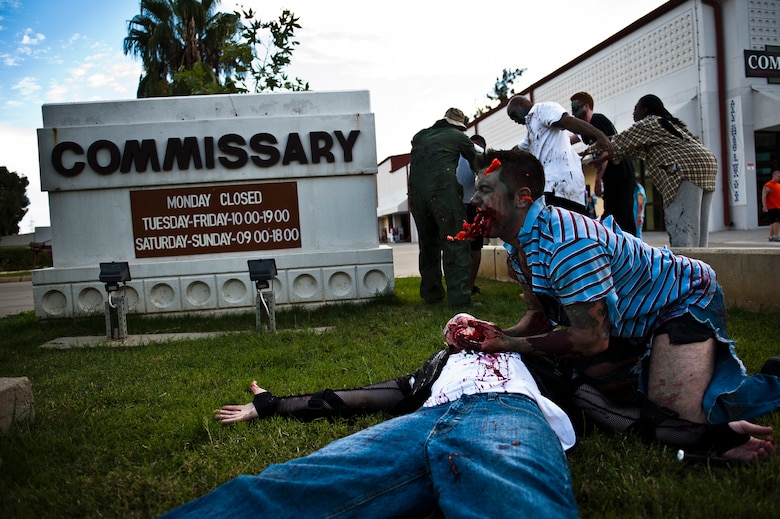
[17,296]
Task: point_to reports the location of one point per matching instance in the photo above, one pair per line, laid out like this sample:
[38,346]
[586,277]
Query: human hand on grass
[755,449]
[228,414]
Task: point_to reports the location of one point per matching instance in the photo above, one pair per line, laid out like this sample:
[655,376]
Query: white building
[716,66]
[392,198]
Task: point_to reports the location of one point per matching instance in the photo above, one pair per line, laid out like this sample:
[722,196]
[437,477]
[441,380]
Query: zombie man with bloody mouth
[591,290]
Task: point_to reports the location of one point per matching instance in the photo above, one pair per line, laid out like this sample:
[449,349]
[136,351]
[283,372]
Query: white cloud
[96,57]
[57,93]
[97,77]
[9,60]
[27,85]
[29,39]
[99,80]
[78,73]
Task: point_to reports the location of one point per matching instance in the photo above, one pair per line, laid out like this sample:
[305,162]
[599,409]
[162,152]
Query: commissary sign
[215,219]
[187,190]
[229,151]
[762,63]
[110,156]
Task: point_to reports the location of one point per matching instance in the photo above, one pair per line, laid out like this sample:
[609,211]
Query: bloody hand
[465,332]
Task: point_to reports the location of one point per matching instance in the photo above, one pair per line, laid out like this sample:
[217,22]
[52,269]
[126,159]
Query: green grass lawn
[127,432]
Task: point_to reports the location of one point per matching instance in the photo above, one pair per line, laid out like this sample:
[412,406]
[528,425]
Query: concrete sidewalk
[405,254]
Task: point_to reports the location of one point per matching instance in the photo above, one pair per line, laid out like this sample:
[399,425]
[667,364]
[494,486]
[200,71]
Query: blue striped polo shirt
[576,259]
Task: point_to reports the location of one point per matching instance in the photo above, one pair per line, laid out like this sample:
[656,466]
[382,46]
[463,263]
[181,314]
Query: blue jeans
[490,455]
[732,394]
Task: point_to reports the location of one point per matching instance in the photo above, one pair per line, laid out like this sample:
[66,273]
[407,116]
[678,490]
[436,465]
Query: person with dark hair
[548,139]
[770,204]
[603,298]
[466,177]
[435,199]
[478,428]
[681,168]
[614,182]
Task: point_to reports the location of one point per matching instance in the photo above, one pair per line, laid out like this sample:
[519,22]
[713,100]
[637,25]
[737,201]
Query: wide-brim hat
[456,118]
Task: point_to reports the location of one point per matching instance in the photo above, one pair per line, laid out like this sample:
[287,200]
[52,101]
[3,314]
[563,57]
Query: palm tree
[185,47]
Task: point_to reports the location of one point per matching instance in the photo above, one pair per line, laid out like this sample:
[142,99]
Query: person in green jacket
[435,198]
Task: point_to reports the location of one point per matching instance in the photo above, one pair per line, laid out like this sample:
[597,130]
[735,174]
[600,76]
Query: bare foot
[255,389]
[755,449]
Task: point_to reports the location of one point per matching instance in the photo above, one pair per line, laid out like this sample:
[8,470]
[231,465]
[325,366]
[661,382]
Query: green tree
[272,45]
[13,201]
[503,88]
[188,47]
[185,47]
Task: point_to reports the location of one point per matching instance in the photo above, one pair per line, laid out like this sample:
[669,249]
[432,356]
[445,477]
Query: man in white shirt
[548,139]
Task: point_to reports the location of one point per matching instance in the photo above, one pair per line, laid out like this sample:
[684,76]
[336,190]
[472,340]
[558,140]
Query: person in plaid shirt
[681,168]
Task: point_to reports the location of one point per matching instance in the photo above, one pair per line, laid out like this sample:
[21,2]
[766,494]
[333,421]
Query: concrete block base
[493,264]
[16,402]
[750,277]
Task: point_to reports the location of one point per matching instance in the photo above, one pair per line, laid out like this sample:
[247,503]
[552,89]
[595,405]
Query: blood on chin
[481,225]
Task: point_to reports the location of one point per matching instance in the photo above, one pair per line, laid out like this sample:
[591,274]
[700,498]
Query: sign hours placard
[215,219]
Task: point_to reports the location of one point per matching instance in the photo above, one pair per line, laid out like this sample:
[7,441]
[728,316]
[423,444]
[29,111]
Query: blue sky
[416,58]
[55,51]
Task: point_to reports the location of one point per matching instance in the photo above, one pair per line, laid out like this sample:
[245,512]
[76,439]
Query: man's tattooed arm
[588,334]
[534,321]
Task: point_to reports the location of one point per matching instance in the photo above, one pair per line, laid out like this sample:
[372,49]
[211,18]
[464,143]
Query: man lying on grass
[483,440]
[554,380]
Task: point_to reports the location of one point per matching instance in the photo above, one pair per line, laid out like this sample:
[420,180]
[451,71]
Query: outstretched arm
[239,413]
[574,125]
[739,440]
[324,404]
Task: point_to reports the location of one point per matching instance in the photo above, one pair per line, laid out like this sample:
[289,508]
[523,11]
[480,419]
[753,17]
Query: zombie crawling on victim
[612,303]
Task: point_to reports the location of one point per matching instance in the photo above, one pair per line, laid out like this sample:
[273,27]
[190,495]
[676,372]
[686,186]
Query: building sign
[763,63]
[170,153]
[187,189]
[736,169]
[215,219]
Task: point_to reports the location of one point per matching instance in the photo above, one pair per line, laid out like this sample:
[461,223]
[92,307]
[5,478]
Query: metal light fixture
[262,272]
[112,274]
